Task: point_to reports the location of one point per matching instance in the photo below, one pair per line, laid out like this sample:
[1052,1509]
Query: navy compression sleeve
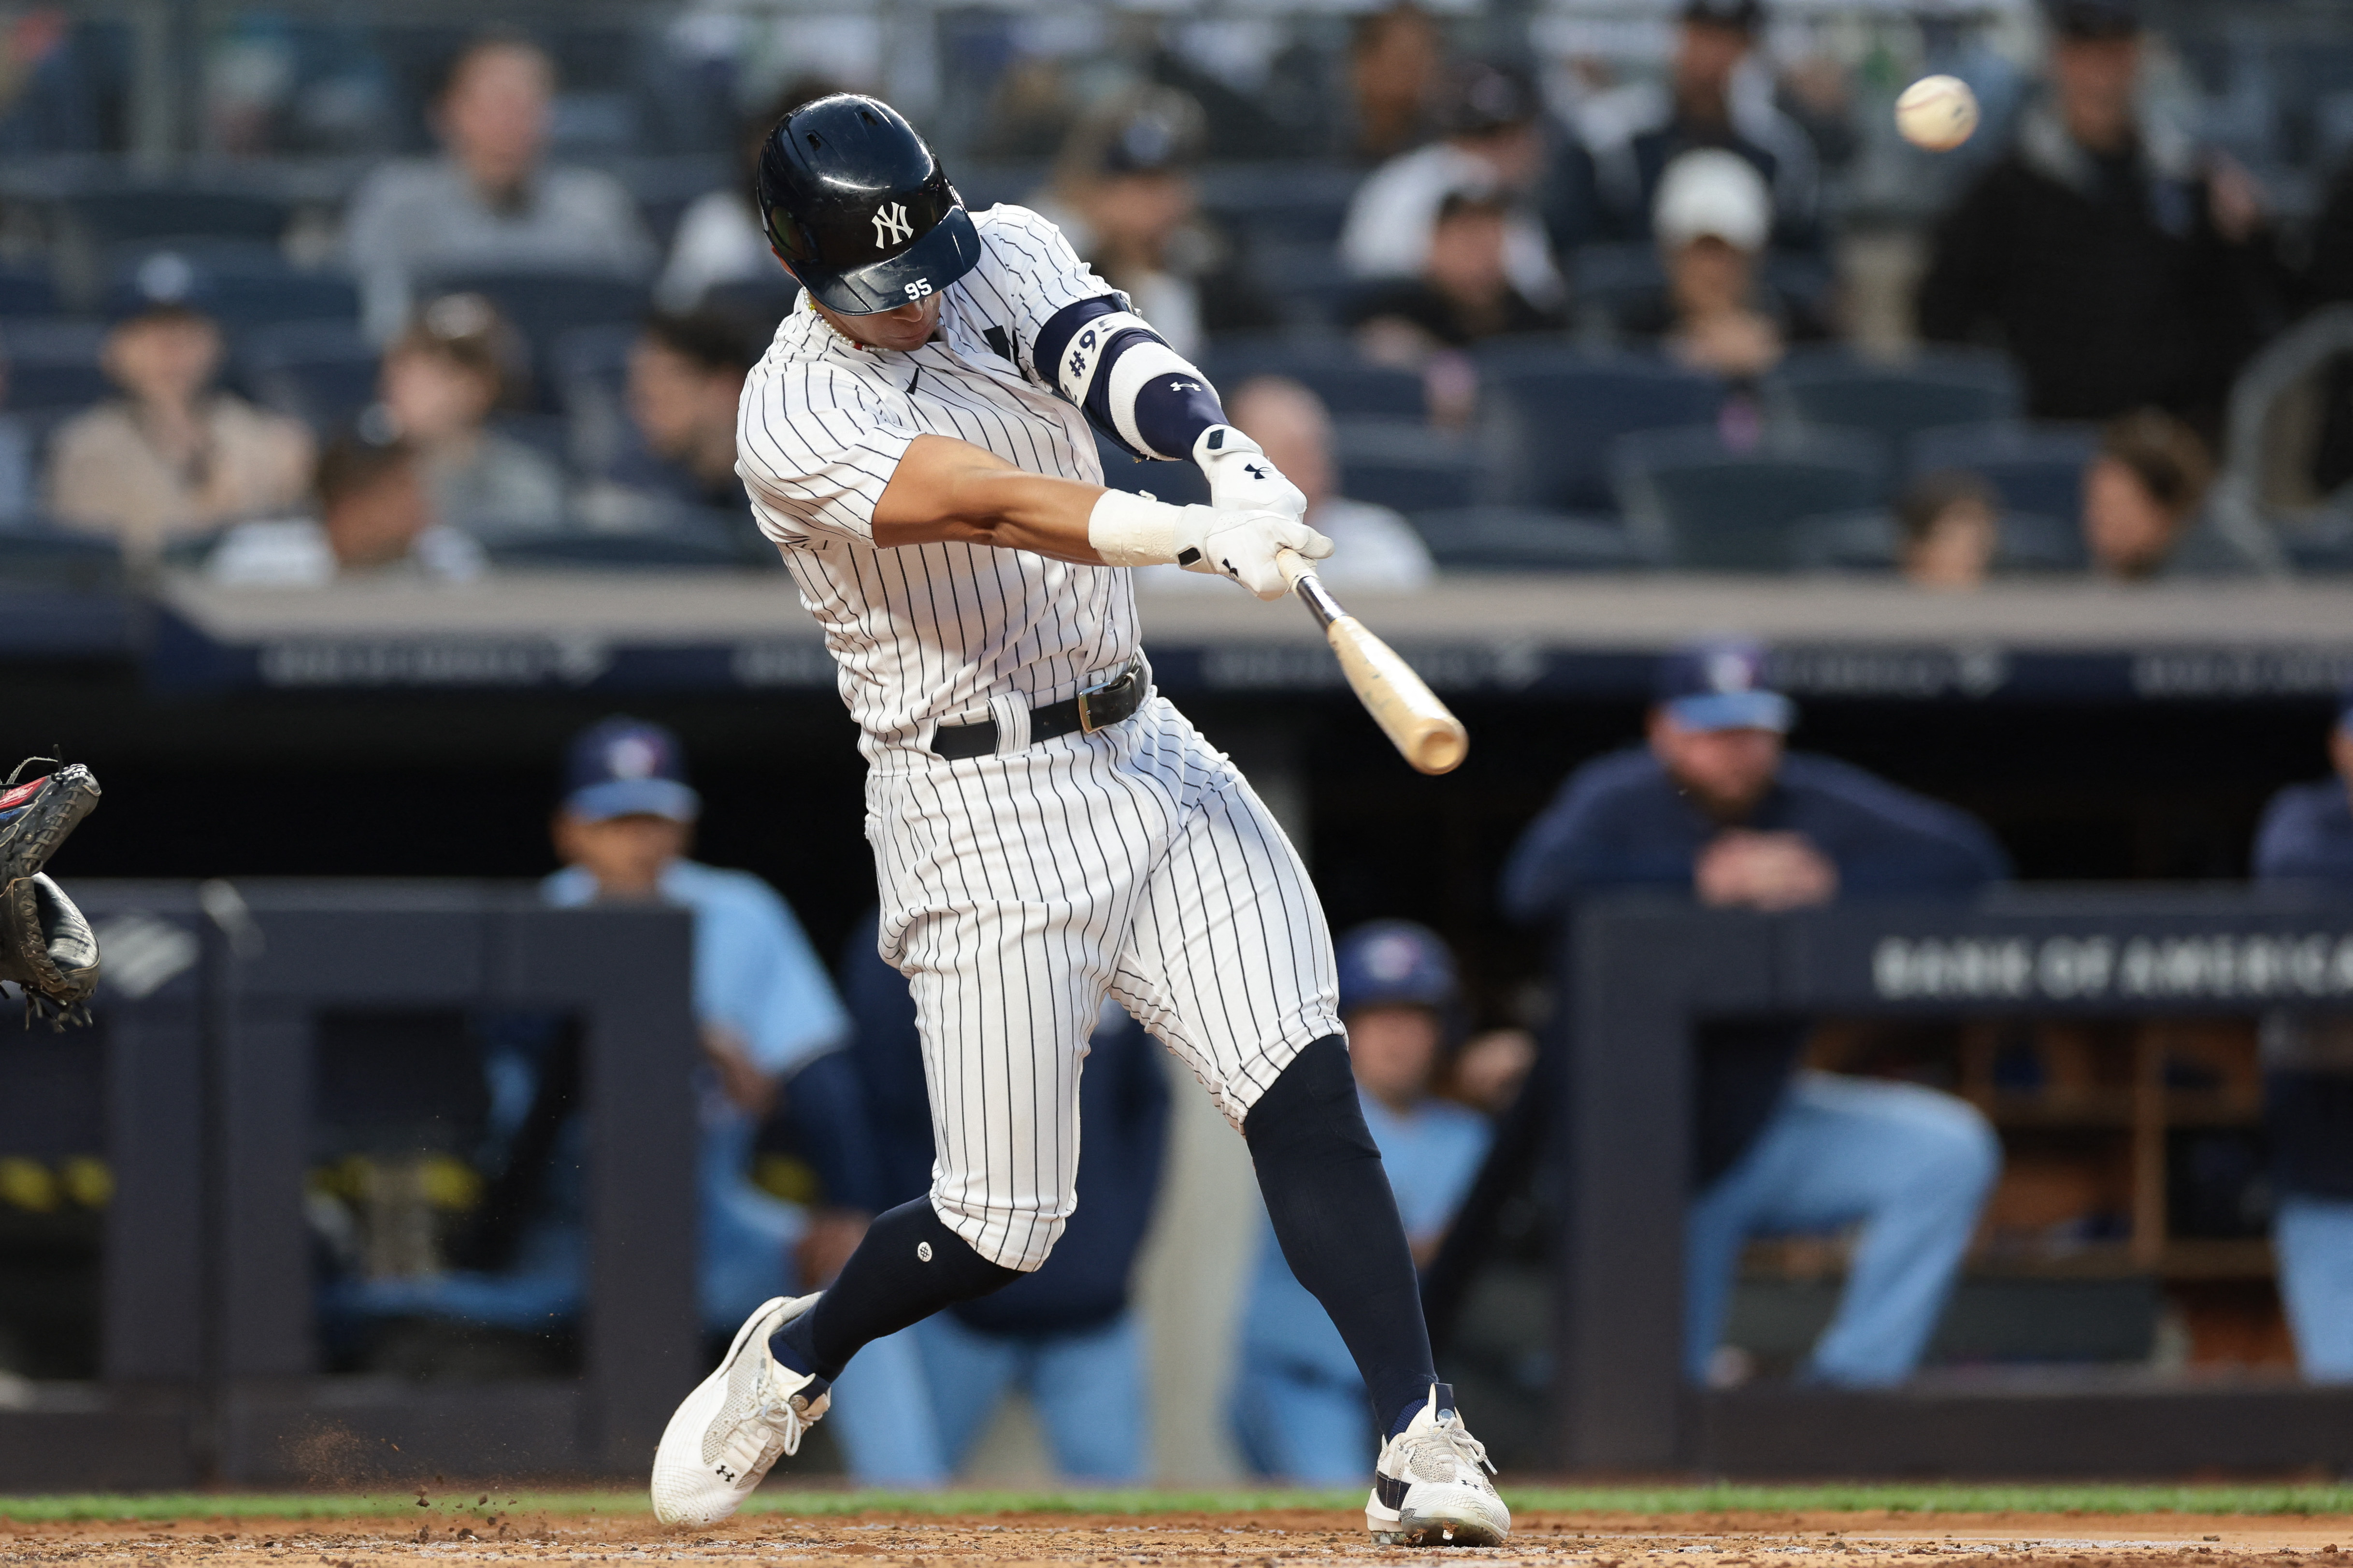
[1143,395]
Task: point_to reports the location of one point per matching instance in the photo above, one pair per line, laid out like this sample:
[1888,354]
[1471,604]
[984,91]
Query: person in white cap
[1712,220]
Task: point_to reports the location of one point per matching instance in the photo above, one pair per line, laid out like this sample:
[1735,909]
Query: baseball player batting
[1046,828]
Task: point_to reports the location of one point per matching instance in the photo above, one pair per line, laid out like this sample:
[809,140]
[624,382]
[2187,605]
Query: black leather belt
[1091,710]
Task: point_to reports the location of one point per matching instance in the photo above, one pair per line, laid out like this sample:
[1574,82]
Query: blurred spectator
[2097,251]
[1719,94]
[768,1010]
[719,239]
[1713,218]
[1066,1335]
[1493,144]
[1948,527]
[1299,1410]
[686,377]
[1374,548]
[174,457]
[490,202]
[375,517]
[1124,195]
[2306,839]
[1395,68]
[1714,806]
[1464,293]
[441,379]
[2141,495]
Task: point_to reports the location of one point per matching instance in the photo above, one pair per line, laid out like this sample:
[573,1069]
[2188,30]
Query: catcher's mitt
[45,945]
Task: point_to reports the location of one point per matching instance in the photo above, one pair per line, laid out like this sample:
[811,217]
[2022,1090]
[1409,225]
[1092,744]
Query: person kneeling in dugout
[1715,806]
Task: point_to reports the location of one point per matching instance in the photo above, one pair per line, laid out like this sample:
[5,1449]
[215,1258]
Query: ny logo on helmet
[890,224]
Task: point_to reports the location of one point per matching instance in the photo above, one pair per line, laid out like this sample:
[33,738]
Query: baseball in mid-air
[1936,112]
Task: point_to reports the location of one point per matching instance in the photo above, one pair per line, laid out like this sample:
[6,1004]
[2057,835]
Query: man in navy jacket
[1714,807]
[2306,839]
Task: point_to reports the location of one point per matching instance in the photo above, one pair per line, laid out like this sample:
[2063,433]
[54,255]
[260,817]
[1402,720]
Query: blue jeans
[1911,1165]
[1299,1424]
[1087,1388]
[2313,1238]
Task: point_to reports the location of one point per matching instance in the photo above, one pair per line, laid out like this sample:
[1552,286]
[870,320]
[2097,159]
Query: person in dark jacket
[1064,1334]
[1714,807]
[2099,251]
[2306,839]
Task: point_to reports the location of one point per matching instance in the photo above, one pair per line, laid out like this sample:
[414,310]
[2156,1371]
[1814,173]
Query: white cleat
[1430,1486]
[737,1421]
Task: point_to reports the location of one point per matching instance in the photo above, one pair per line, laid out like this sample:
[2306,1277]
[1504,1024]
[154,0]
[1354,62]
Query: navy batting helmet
[855,203]
[1396,963]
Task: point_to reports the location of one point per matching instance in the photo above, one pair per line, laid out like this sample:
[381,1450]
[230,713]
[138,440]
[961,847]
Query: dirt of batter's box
[1264,1539]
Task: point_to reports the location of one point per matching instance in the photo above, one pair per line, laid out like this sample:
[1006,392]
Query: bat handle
[1300,573]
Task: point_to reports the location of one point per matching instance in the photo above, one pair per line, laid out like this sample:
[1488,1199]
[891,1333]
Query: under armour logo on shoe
[1254,471]
[890,224]
[924,1252]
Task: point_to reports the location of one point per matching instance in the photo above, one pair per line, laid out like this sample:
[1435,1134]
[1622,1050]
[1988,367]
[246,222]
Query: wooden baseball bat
[1430,738]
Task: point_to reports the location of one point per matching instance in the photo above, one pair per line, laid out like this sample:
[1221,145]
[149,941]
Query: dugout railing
[205,1055]
[1637,976]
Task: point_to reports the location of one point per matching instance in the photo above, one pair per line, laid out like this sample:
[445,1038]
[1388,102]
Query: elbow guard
[1134,387]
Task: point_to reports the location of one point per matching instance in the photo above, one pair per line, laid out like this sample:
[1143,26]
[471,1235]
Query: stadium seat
[543,306]
[241,289]
[589,377]
[770,300]
[1702,505]
[49,558]
[53,363]
[27,291]
[1178,483]
[1835,390]
[617,551]
[323,373]
[1306,203]
[1333,371]
[1866,541]
[550,435]
[1545,426]
[125,214]
[2034,467]
[1403,465]
[1516,538]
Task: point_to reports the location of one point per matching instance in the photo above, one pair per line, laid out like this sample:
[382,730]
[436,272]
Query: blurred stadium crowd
[1588,288]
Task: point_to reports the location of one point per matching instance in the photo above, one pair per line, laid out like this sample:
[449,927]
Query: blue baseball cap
[1396,963]
[627,768]
[1721,685]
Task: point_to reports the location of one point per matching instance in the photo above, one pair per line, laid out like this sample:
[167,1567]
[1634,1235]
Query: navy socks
[1337,1223]
[908,1267]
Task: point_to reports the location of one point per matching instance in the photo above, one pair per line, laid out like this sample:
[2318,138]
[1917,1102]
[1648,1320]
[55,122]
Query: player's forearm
[949,491]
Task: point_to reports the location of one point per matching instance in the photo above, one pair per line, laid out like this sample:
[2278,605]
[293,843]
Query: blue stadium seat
[2035,468]
[1702,505]
[1867,540]
[39,556]
[1520,538]
[27,291]
[1406,466]
[1304,203]
[323,373]
[1333,371]
[241,288]
[617,551]
[543,306]
[1178,483]
[589,377]
[1546,425]
[762,299]
[53,363]
[1834,389]
[120,213]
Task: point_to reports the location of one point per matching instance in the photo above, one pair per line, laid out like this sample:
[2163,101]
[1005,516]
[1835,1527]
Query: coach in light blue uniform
[1713,807]
[1298,1402]
[2306,839]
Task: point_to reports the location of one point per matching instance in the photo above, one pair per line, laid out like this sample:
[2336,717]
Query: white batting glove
[1241,479]
[1242,545]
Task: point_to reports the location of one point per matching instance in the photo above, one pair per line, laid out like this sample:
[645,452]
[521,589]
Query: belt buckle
[1087,725]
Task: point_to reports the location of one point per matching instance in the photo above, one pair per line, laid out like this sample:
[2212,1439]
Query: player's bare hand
[1240,477]
[1242,545]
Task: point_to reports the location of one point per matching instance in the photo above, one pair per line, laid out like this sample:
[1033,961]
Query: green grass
[1901,1498]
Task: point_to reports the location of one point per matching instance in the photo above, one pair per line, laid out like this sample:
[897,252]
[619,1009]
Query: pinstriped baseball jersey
[934,631]
[1020,888]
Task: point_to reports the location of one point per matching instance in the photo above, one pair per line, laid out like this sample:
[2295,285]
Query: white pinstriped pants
[1018,890]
